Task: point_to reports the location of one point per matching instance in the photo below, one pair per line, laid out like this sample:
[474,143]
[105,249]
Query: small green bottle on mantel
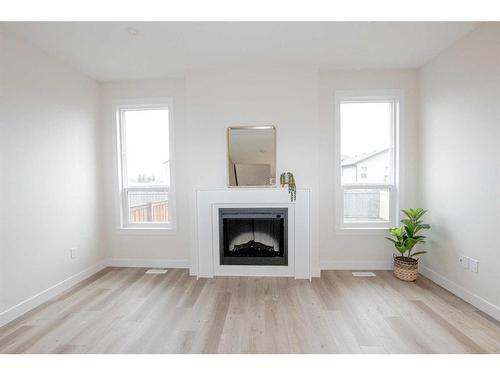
[287,178]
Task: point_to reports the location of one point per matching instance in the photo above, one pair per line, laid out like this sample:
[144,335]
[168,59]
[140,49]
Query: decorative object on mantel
[287,178]
[404,239]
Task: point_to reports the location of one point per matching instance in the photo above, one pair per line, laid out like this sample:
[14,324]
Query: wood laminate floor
[124,310]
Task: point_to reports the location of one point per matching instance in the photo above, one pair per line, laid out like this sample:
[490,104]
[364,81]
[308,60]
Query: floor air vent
[363,274]
[156,271]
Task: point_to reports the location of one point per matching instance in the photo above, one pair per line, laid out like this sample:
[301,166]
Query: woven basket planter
[405,268]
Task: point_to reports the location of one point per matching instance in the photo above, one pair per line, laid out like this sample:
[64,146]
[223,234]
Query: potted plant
[405,238]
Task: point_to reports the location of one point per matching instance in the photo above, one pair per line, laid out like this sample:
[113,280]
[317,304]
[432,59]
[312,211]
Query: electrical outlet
[72,253]
[464,261]
[474,265]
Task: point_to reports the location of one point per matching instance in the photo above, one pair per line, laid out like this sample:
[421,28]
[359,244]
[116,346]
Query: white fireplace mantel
[208,202]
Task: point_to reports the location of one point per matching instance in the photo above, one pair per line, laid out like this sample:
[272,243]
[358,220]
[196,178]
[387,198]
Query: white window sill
[363,231]
[148,231]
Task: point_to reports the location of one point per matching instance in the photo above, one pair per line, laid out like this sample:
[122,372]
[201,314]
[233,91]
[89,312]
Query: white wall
[50,192]
[362,251]
[460,162]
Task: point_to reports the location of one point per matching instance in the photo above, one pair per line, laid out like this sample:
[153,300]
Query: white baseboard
[151,263]
[479,302]
[30,303]
[356,265]
[316,272]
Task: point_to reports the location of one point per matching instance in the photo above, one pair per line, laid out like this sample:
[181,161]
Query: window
[367,160]
[364,169]
[146,189]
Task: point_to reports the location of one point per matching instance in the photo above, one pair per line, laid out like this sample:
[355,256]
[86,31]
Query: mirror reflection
[251,156]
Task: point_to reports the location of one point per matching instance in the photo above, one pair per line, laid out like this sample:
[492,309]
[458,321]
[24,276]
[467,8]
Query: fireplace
[253,236]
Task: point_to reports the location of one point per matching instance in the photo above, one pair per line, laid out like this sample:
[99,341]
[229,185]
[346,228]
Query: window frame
[370,96]
[122,190]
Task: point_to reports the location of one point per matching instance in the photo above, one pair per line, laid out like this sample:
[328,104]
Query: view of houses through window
[367,159]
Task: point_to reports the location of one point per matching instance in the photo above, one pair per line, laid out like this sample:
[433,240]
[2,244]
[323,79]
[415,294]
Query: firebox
[253,236]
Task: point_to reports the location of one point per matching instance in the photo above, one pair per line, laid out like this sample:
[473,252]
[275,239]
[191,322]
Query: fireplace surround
[207,260]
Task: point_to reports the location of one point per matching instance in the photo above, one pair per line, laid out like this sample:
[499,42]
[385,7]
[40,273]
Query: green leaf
[419,212]
[419,237]
[395,232]
[410,243]
[410,230]
[419,253]
[406,221]
[407,213]
[414,214]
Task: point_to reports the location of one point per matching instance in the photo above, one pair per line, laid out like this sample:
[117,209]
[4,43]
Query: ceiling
[108,51]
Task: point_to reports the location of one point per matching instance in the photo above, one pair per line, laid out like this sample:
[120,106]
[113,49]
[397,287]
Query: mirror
[251,153]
